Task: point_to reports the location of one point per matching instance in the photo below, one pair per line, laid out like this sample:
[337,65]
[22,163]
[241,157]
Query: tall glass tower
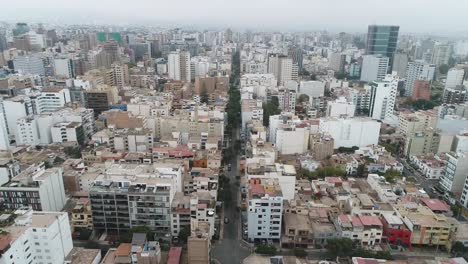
[382,40]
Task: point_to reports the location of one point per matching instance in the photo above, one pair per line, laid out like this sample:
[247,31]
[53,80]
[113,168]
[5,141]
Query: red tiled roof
[257,188]
[366,261]
[344,218]
[356,221]
[368,220]
[174,255]
[435,204]
[334,179]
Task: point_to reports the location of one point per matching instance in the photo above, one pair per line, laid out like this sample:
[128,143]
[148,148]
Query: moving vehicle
[226,220]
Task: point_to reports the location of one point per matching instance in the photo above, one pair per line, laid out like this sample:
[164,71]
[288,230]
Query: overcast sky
[424,16]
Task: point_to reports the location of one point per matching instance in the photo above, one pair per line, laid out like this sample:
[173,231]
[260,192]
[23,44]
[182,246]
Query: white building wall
[383,97]
[348,133]
[292,141]
[4,139]
[374,67]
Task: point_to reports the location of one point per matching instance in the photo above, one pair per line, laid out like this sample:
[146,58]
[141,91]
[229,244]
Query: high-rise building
[455,175]
[337,62]
[455,77]
[264,215]
[282,68]
[418,70]
[36,187]
[457,95]
[382,40]
[178,64]
[20,29]
[4,140]
[383,96]
[296,54]
[3,42]
[441,54]
[374,68]
[29,64]
[34,237]
[421,90]
[64,67]
[112,50]
[400,62]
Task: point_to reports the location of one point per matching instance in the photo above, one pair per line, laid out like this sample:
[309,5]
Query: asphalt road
[230,250]
[423,182]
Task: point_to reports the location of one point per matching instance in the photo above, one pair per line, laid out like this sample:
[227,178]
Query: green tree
[422,104]
[459,248]
[269,109]
[443,69]
[340,247]
[204,97]
[392,175]
[73,152]
[265,249]
[300,253]
[303,98]
[184,233]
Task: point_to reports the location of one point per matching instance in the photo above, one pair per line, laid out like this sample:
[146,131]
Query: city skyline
[297,15]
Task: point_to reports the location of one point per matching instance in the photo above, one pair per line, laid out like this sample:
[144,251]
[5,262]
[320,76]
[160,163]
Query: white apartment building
[178,64]
[251,109]
[455,173]
[67,132]
[312,88]
[203,209]
[277,120]
[418,70]
[265,209]
[37,237]
[366,229]
[383,97]
[351,132]
[267,79]
[51,99]
[29,64]
[4,138]
[37,129]
[384,189]
[432,168]
[340,108]
[287,100]
[455,78]
[200,66]
[292,139]
[283,173]
[41,189]
[282,67]
[374,68]
[27,132]
[14,108]
[64,67]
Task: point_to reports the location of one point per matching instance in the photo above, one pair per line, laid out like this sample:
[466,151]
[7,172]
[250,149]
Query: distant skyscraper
[3,42]
[400,62]
[441,54]
[337,62]
[455,77]
[282,67]
[111,48]
[374,68]
[383,96]
[418,70]
[382,40]
[20,29]
[178,65]
[296,54]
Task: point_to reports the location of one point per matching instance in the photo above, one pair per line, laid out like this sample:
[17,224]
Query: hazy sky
[425,16]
